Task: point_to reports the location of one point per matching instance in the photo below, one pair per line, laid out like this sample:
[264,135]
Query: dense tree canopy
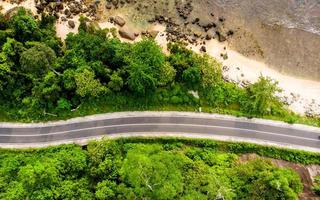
[40,77]
[37,60]
[135,170]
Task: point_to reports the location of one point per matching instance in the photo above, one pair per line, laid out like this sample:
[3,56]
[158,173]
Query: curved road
[153,122]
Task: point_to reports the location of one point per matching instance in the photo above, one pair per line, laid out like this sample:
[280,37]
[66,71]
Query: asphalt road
[158,124]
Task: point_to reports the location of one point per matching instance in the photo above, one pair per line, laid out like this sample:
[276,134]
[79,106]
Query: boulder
[63,18]
[119,21]
[127,33]
[209,36]
[203,49]
[108,6]
[115,2]
[67,12]
[71,24]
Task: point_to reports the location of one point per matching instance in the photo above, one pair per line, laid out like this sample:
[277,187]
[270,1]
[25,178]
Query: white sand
[62,28]
[28,4]
[303,95]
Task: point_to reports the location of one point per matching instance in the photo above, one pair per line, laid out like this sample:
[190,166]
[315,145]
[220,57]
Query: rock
[230,33]
[39,7]
[222,19]
[63,18]
[209,36]
[221,37]
[203,49]
[111,19]
[119,21]
[67,12]
[115,2]
[127,33]
[108,6]
[196,20]
[71,24]
[136,34]
[225,68]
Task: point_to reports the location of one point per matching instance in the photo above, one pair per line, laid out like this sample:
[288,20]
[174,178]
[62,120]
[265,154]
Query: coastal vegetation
[146,168]
[43,78]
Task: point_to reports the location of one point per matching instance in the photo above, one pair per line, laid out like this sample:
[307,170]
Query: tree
[24,26]
[150,53]
[203,182]
[147,67]
[5,71]
[74,190]
[211,70]
[12,50]
[87,85]
[105,190]
[38,180]
[37,60]
[180,58]
[260,179]
[167,74]
[12,84]
[192,77]
[47,91]
[262,99]
[139,169]
[140,81]
[116,82]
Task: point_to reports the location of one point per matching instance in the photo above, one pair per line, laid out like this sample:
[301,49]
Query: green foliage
[223,95]
[146,65]
[316,187]
[40,76]
[139,169]
[142,169]
[140,81]
[116,82]
[263,181]
[63,104]
[37,60]
[87,85]
[50,174]
[262,97]
[192,76]
[24,25]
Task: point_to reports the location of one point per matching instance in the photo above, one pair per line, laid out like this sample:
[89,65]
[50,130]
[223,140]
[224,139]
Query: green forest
[43,78]
[142,168]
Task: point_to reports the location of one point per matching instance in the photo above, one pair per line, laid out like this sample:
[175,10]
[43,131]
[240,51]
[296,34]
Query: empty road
[152,122]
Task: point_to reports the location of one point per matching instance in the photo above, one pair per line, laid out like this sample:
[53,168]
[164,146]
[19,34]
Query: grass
[110,104]
[240,148]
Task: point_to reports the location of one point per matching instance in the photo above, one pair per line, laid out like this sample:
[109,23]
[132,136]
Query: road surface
[149,123]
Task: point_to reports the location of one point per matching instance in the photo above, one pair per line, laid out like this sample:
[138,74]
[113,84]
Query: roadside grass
[239,148]
[122,103]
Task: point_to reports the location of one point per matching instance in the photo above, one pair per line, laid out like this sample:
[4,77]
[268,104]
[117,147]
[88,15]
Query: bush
[316,187]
